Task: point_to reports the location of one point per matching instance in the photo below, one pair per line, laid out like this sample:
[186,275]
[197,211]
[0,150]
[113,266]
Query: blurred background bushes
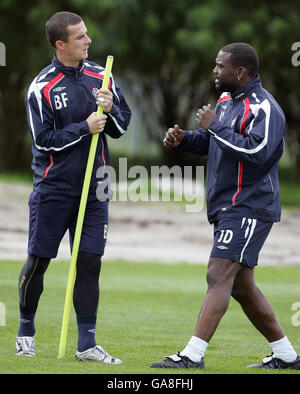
[164,56]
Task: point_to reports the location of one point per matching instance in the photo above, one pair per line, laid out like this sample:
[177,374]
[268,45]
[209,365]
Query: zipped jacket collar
[242,93]
[67,70]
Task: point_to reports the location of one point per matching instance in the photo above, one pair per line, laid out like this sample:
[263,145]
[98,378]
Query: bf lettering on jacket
[60,100]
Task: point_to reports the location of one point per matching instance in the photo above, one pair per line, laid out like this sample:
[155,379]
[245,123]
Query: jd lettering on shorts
[225,236]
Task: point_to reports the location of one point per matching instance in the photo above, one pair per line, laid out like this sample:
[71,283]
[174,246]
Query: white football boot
[97,353]
[25,346]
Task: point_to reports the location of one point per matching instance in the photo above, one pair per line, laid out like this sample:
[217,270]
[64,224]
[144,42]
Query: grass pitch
[146,311]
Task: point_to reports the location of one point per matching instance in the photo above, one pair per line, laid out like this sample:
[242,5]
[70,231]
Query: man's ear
[242,73]
[59,44]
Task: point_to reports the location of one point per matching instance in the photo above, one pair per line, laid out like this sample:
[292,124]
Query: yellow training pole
[79,224]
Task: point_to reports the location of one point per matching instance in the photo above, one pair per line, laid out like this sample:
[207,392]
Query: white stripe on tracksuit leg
[249,237]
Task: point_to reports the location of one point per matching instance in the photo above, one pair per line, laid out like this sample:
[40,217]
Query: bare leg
[255,305]
[220,278]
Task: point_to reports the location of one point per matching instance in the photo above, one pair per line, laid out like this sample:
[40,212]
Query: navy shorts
[50,216]
[240,239]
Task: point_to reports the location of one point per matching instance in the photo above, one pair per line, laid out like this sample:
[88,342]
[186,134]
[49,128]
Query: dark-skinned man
[244,140]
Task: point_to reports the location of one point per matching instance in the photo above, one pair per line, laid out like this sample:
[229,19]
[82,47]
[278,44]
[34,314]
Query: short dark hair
[243,55]
[57,26]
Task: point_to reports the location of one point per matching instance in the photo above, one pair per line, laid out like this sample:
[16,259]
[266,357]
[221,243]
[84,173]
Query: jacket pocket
[48,166]
[267,184]
[271,183]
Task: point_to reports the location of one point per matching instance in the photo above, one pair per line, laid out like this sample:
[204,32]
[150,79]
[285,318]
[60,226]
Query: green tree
[165,48]
[27,52]
[170,46]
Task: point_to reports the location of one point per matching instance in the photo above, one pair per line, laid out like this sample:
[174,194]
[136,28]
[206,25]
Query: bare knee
[238,293]
[221,272]
[243,287]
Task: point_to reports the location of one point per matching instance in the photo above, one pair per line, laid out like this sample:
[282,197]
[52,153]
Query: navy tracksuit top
[244,145]
[58,102]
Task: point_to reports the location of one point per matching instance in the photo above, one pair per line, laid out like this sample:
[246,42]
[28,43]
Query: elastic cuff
[86,319]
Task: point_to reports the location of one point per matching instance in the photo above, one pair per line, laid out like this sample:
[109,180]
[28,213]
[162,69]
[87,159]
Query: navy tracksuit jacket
[58,102]
[244,145]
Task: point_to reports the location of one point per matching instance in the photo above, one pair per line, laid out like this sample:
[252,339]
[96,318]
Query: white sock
[195,349]
[284,350]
